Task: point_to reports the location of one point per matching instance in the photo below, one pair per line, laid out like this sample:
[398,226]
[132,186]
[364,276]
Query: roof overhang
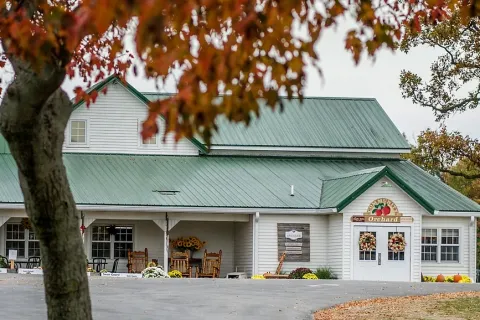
[307,149]
[456,213]
[161,209]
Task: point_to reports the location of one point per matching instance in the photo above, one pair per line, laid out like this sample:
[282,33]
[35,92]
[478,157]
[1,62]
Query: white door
[381,264]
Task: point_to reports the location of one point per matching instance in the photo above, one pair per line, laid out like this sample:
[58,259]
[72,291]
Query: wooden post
[12,264]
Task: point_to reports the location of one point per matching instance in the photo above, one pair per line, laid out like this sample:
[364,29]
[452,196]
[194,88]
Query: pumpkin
[457,278]
[440,278]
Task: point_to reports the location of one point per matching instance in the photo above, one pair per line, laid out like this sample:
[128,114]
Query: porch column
[3,220]
[166,225]
[85,222]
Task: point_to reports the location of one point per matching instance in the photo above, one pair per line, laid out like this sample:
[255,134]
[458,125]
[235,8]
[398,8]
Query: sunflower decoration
[187,243]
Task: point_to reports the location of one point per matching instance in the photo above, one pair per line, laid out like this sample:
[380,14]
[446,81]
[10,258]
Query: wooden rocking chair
[180,262]
[277,274]
[210,265]
[137,261]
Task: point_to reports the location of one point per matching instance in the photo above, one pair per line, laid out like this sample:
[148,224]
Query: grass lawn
[463,308]
[443,306]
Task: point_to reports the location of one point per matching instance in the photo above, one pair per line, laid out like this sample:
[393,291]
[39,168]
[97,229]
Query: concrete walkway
[113,298]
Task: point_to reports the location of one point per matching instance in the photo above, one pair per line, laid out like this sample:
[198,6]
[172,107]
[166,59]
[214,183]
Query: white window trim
[112,240]
[87,134]
[141,145]
[439,245]
[26,240]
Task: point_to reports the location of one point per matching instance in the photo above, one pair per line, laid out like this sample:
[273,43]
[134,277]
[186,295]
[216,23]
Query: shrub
[90,270]
[298,273]
[175,274]
[103,271]
[258,277]
[325,273]
[151,264]
[310,276]
[154,272]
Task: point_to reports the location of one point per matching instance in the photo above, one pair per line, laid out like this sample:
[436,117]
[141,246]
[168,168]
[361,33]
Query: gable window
[151,140]
[78,132]
[23,240]
[112,246]
[445,250]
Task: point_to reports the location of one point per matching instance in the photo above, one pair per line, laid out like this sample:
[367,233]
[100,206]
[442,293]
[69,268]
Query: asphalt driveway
[114,298]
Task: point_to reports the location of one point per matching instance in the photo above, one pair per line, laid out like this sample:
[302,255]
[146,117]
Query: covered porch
[110,235]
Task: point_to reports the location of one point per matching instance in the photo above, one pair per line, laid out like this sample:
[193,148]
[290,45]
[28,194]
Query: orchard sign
[382,210]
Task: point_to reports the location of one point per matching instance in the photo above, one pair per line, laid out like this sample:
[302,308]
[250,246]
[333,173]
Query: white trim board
[159,209]
[310,149]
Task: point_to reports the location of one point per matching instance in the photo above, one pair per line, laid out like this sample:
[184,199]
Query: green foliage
[299,273]
[325,273]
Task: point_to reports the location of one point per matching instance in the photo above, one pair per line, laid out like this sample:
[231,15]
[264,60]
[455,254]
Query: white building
[303,182]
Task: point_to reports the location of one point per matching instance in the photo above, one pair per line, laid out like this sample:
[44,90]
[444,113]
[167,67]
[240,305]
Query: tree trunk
[33,117]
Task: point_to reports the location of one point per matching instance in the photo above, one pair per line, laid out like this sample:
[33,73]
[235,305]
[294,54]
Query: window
[151,140]
[448,250]
[396,256]
[100,242]
[367,255]
[107,245]
[22,240]
[123,242]
[78,131]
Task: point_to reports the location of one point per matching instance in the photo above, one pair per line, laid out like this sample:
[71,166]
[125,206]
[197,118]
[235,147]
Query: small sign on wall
[294,240]
[12,255]
[121,275]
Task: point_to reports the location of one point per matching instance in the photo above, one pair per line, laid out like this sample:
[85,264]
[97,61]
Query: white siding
[405,204]
[335,243]
[467,247]
[114,124]
[218,235]
[244,246]
[268,245]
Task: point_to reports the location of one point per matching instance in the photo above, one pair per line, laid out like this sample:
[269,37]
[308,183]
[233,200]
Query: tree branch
[461,174]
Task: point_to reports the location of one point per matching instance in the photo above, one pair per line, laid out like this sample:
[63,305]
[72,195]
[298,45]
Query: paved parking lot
[209,299]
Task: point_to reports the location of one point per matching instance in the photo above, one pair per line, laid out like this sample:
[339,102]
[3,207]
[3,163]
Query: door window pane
[392,255]
[367,255]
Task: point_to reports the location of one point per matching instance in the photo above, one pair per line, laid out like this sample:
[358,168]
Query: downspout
[255,243]
[473,244]
[166,244]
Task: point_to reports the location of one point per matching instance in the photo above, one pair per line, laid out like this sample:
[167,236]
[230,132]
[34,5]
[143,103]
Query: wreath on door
[367,241]
[396,243]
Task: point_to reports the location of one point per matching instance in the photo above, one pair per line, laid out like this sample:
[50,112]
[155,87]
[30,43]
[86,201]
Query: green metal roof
[343,187]
[358,123]
[316,123]
[3,145]
[239,182]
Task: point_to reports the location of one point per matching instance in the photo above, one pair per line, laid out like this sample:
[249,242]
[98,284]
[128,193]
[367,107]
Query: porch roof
[236,182]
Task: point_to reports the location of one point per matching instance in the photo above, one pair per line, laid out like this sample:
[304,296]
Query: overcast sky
[379,79]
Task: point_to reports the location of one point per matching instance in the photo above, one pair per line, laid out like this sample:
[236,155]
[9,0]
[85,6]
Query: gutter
[307,149]
[119,208]
[456,213]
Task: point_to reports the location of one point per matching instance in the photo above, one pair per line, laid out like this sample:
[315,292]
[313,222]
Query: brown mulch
[394,308]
